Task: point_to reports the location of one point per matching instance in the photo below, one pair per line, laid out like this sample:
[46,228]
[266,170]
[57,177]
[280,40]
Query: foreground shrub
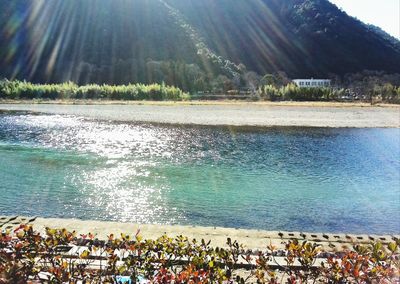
[26,90]
[27,256]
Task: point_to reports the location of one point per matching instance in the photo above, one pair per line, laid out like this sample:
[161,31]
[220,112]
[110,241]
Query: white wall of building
[312,83]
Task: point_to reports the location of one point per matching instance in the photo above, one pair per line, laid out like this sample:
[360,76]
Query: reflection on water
[338,180]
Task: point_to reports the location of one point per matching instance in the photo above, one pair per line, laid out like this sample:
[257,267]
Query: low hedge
[26,90]
[291,92]
[27,256]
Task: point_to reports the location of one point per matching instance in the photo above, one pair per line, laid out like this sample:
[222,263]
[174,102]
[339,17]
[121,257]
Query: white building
[312,83]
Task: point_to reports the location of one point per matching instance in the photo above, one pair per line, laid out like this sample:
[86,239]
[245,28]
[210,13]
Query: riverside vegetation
[26,90]
[15,90]
[26,256]
[385,93]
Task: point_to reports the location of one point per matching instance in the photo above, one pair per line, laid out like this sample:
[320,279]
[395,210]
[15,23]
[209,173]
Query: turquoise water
[303,179]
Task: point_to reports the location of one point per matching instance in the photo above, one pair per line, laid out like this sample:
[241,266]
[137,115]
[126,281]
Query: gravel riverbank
[245,114]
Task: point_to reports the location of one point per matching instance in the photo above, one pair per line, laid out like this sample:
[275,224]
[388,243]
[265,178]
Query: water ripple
[345,180]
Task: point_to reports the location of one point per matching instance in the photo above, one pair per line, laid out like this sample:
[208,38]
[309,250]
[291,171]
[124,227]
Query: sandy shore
[235,113]
[254,239]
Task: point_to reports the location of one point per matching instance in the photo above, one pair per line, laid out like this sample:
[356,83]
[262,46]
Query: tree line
[369,86]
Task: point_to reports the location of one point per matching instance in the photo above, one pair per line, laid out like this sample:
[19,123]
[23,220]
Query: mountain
[194,44]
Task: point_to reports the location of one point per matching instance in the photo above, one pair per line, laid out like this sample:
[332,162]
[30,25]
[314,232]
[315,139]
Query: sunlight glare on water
[304,179]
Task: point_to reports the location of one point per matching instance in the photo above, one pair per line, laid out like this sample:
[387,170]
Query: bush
[27,256]
[269,92]
[291,92]
[69,90]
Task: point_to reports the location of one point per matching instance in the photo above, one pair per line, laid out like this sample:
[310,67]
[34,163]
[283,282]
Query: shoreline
[250,238]
[202,102]
[227,114]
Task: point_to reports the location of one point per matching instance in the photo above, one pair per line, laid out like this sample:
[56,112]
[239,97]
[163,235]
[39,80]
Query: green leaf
[392,247]
[122,269]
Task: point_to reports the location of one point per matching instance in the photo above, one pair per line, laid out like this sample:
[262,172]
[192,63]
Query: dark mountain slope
[89,41]
[186,43]
[301,37]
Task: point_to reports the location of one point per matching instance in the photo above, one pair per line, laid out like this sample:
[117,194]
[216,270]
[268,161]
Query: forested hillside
[193,44]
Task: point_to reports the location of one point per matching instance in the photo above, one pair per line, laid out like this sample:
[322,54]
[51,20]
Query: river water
[300,179]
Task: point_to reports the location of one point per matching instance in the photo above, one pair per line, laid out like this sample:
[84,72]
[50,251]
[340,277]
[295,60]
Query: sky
[382,13]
